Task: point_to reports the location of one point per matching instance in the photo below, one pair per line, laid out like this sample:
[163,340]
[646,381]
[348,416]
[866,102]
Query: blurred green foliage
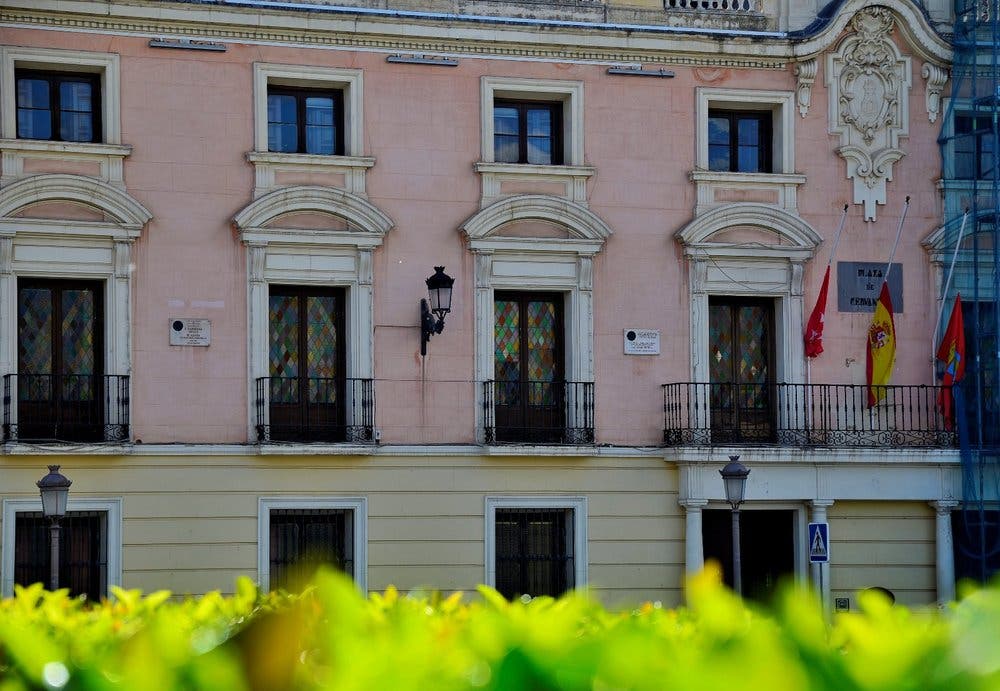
[331,637]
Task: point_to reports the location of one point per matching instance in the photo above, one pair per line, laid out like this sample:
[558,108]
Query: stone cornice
[390,34]
[459,36]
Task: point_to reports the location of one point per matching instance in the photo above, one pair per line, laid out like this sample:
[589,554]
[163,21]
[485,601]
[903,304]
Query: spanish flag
[881,354]
[952,354]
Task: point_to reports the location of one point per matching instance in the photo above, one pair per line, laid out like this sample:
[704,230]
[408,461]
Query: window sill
[107,448]
[719,188]
[275,170]
[316,449]
[507,179]
[102,161]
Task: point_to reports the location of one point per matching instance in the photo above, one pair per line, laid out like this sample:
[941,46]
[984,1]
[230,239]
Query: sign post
[819,552]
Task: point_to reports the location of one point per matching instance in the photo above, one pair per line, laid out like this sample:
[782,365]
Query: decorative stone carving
[805,75]
[869,82]
[936,77]
[484,269]
[6,256]
[258,253]
[123,259]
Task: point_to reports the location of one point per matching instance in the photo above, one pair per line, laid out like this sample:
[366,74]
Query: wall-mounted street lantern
[734,475]
[54,489]
[438,304]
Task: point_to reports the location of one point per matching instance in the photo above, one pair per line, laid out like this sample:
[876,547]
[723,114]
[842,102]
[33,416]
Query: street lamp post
[734,475]
[54,489]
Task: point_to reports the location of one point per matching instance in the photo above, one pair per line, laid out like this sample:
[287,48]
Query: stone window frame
[780,103]
[54,249]
[769,271]
[107,65]
[563,265]
[579,506]
[572,173]
[352,164]
[359,505]
[110,506]
[291,256]
[108,154]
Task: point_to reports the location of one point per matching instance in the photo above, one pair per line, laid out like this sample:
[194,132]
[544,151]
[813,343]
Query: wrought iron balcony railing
[65,407]
[319,410]
[538,412]
[835,415]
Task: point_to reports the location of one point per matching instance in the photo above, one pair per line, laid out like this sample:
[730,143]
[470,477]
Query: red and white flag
[814,328]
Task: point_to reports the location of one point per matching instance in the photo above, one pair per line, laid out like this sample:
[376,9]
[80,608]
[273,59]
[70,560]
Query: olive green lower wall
[189,523]
[888,544]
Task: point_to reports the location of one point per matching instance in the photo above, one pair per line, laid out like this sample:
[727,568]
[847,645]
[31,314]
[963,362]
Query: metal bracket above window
[420,59]
[186,44]
[638,71]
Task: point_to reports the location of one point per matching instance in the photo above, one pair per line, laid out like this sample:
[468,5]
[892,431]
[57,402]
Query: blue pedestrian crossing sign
[819,543]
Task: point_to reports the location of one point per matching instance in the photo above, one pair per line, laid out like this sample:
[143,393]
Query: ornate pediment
[869,82]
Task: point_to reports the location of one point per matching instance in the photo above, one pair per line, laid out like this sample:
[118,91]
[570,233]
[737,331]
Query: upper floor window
[302,109]
[58,106]
[744,131]
[306,121]
[974,155]
[739,141]
[59,96]
[527,132]
[532,121]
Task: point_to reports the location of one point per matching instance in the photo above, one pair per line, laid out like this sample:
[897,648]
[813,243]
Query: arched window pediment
[123,210]
[586,232]
[797,239]
[366,223]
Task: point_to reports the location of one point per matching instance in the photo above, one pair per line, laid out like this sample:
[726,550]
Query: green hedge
[332,638]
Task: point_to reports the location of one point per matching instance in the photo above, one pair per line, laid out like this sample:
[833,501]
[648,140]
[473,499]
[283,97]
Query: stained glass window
[58,334]
[306,351]
[739,361]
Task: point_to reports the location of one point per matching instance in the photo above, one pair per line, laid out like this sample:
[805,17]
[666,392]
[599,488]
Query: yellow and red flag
[881,354]
[952,354]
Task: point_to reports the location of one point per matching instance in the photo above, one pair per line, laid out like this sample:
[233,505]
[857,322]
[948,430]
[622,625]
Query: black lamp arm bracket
[428,325]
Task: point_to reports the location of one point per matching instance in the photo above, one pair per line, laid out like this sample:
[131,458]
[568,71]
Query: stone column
[694,551]
[820,573]
[945,549]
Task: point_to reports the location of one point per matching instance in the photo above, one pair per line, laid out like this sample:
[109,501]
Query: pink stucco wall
[188,117]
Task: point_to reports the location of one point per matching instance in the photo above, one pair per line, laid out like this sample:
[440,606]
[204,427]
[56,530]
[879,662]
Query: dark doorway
[741,369]
[767,547]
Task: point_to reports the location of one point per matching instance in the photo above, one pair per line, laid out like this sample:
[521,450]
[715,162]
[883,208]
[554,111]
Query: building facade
[216,223]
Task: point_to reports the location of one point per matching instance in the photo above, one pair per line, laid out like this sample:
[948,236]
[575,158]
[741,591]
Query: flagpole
[944,295]
[829,263]
[872,398]
[895,244]
[836,238]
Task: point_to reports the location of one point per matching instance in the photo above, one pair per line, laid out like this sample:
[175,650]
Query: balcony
[538,412]
[315,410]
[65,408]
[802,415]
